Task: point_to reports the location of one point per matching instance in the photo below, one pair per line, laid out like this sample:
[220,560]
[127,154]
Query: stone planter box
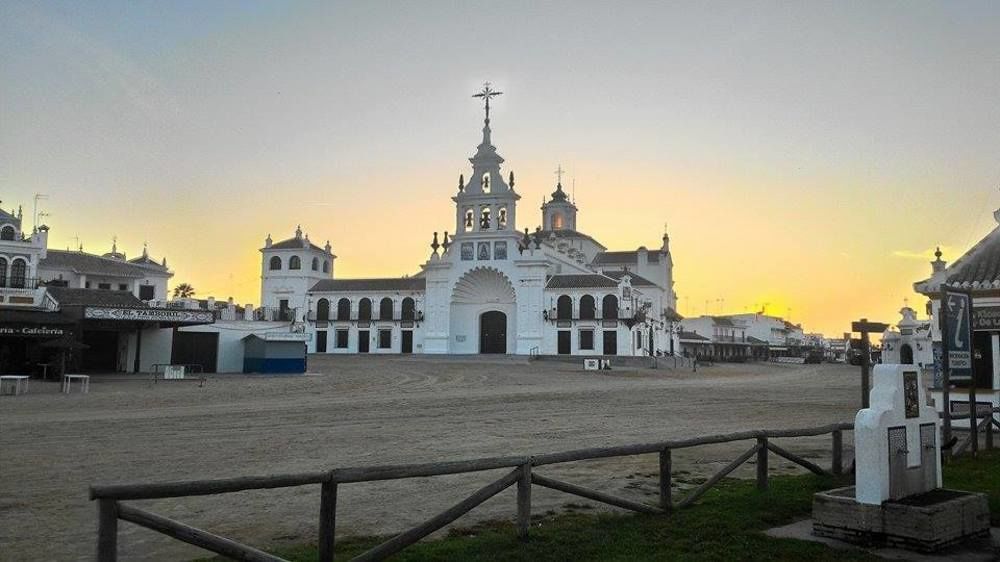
[926,522]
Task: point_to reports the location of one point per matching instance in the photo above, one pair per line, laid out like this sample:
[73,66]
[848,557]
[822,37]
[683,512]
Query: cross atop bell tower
[487,201]
[486,93]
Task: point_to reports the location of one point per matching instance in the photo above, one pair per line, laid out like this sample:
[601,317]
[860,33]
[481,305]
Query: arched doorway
[906,354]
[493,332]
[483,313]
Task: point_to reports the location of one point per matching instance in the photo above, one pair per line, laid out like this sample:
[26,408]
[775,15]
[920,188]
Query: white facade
[489,287]
[20,256]
[289,269]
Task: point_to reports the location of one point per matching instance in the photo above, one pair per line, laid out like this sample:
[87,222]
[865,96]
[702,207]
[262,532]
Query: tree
[183,291]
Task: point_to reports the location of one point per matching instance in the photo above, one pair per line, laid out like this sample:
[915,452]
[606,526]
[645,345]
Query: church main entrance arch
[483,312]
[493,332]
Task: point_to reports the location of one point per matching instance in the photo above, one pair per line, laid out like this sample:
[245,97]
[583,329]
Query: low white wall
[156,347]
[231,334]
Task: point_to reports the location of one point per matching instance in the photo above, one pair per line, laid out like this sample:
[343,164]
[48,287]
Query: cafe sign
[32,331]
[148,315]
[986,318]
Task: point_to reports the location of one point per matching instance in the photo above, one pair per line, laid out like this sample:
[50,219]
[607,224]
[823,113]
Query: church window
[557,221]
[564,308]
[147,292]
[326,266]
[586,340]
[384,339]
[609,307]
[365,309]
[486,183]
[409,309]
[7,233]
[502,218]
[18,270]
[315,264]
[294,262]
[385,309]
[484,251]
[587,308]
[500,250]
[3,272]
[484,219]
[468,251]
[123,286]
[344,309]
[469,216]
[323,310]
[102,286]
[275,263]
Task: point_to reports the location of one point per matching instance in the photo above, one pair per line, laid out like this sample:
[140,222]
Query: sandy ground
[353,411]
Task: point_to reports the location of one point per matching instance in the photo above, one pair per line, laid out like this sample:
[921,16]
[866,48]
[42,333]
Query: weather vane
[487,93]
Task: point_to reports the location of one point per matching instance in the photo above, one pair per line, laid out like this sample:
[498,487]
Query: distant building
[488,287]
[71,309]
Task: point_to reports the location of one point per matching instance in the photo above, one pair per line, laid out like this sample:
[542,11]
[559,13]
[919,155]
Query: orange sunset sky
[809,156]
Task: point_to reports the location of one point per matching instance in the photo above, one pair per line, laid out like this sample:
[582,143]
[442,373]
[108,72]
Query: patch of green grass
[981,474]
[726,524]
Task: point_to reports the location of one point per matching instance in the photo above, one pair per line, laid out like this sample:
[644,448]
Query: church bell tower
[487,202]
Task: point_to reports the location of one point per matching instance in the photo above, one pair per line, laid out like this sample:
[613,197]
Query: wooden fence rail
[522,474]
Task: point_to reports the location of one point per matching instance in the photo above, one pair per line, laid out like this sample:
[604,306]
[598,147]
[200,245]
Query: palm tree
[183,291]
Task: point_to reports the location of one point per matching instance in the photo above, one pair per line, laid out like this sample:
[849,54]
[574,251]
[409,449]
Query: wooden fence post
[327,520]
[107,530]
[666,502]
[524,501]
[838,452]
[762,463]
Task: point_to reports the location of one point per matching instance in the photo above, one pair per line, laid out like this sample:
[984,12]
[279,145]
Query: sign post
[864,327]
[956,356]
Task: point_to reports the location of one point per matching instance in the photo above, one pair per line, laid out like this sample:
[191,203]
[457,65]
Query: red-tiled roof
[380,284]
[580,281]
[979,268]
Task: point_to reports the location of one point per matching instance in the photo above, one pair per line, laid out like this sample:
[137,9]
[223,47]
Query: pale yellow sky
[808,156]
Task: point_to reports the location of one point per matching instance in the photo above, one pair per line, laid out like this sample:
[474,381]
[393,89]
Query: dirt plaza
[370,410]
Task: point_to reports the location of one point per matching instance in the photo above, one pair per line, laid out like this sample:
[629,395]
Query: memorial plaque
[911,395]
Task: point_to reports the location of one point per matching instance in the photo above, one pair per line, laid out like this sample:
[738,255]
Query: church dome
[559,194]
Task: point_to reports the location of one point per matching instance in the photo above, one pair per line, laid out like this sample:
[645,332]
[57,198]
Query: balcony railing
[12,282]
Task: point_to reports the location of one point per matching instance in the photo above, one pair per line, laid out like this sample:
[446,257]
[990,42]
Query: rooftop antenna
[573,194]
[34,214]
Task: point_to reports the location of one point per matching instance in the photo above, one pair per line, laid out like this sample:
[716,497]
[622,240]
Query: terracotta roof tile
[379,284]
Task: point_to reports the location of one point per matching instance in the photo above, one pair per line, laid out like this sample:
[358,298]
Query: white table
[67,383]
[5,381]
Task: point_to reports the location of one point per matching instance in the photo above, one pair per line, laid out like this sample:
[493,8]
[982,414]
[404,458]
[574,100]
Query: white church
[487,287]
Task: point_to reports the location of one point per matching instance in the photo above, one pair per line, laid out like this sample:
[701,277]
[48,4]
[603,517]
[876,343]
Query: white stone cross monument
[896,440]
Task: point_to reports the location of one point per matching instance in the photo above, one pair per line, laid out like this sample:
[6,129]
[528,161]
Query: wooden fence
[523,474]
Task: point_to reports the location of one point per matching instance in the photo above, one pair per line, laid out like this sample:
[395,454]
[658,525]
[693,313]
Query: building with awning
[113,331]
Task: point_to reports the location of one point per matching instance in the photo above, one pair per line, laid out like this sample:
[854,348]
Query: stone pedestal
[898,500]
[925,522]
